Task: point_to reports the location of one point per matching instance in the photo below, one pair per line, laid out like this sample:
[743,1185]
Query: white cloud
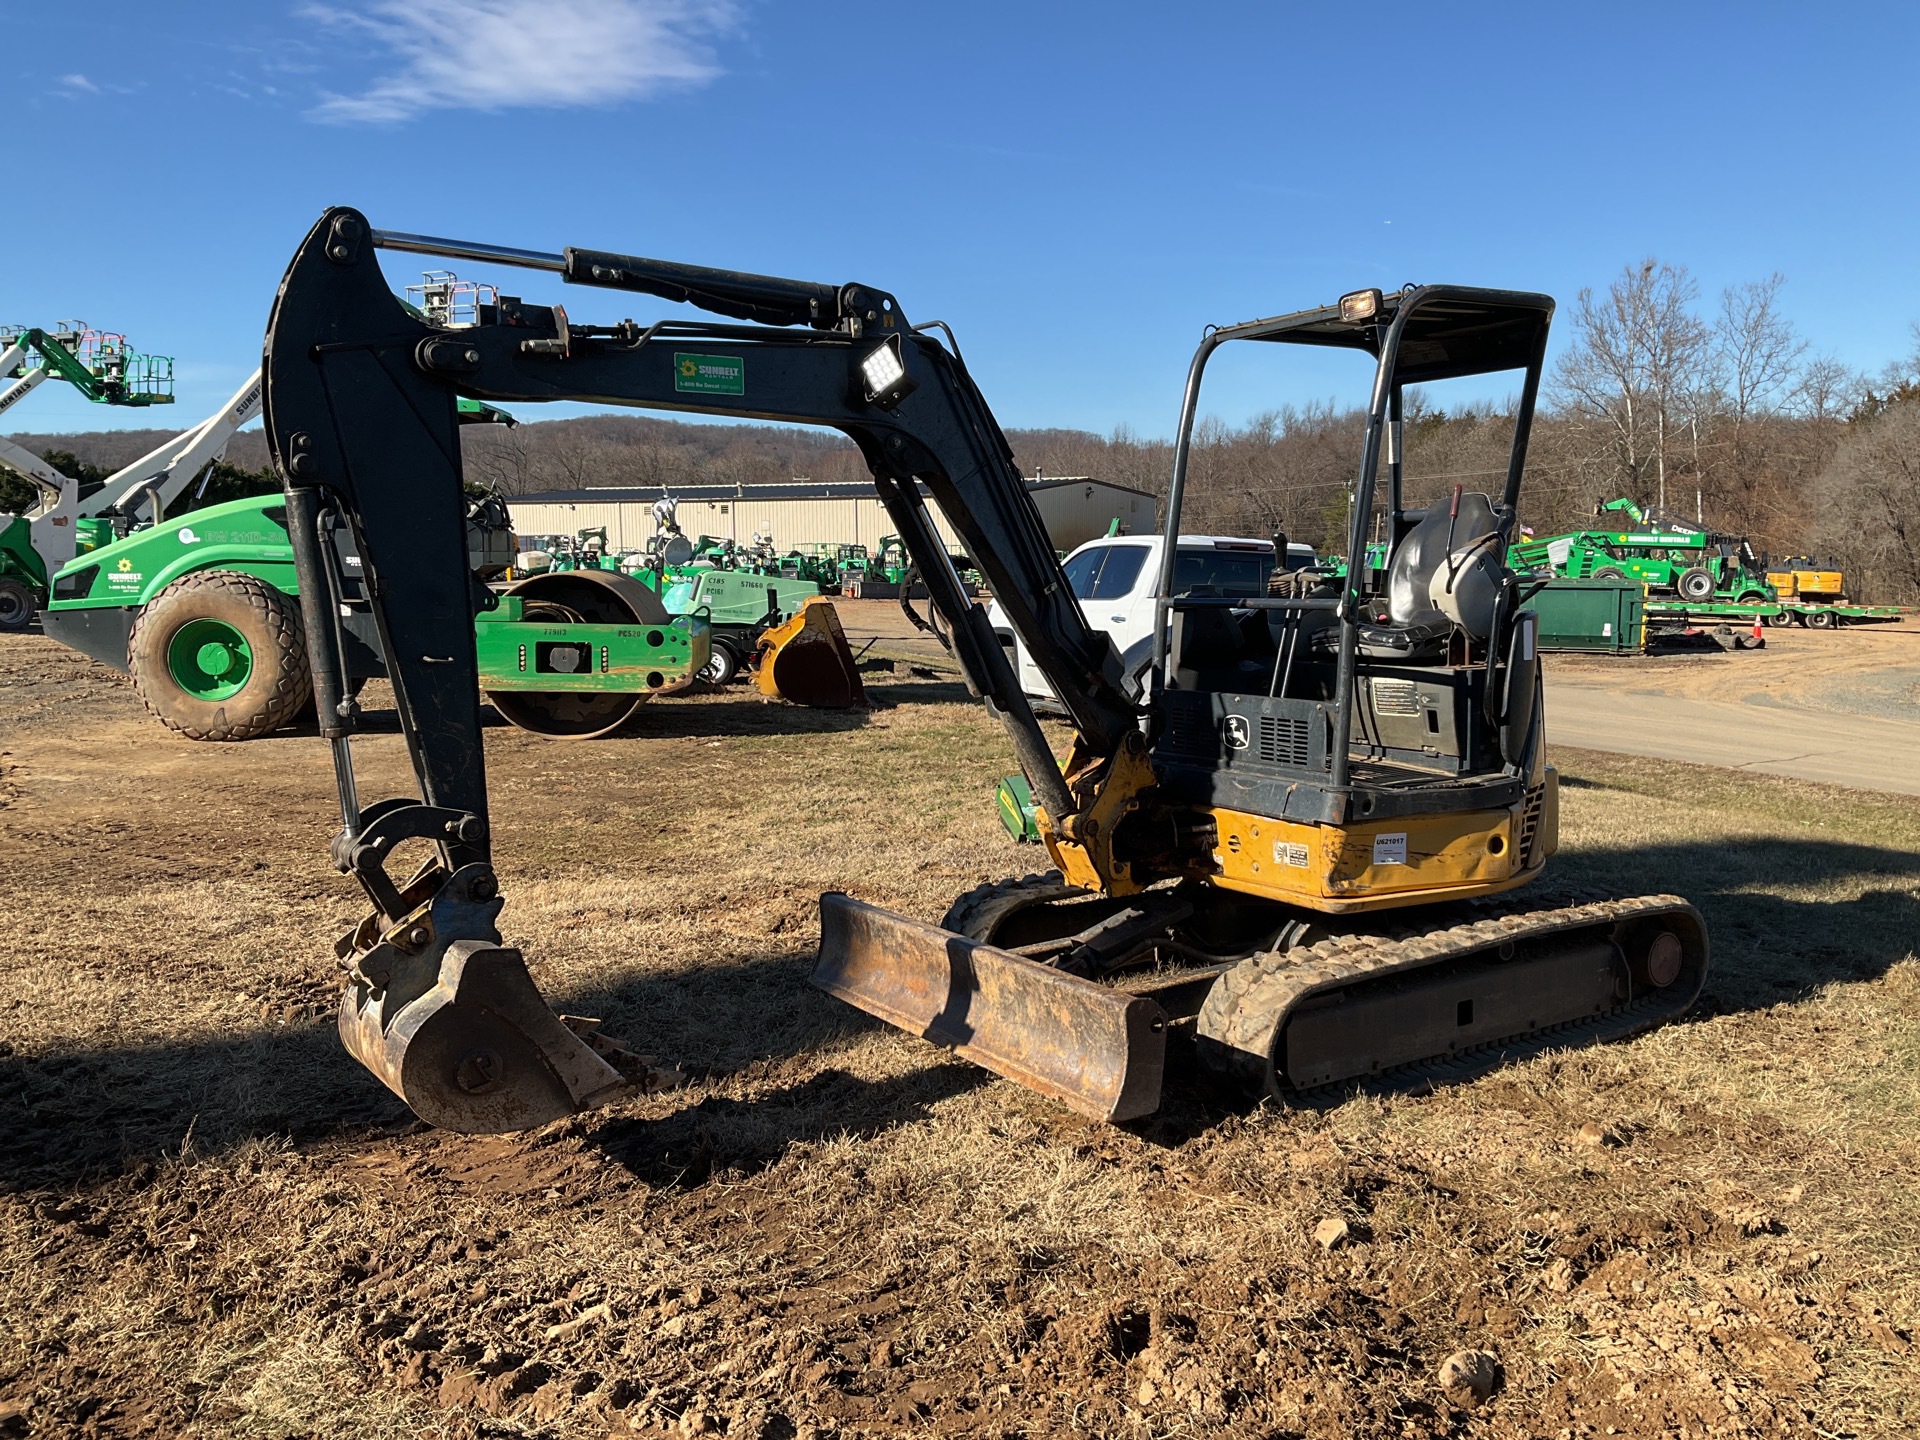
[496,54]
[79,82]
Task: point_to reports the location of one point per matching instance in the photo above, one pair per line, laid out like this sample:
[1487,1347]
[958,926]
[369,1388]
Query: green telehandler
[1665,555]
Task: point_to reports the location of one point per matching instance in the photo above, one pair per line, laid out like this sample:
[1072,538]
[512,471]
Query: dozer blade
[1101,1051]
[479,1051]
[805,659]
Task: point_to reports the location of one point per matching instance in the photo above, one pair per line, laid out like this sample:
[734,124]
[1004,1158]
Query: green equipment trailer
[203,612]
[1778,613]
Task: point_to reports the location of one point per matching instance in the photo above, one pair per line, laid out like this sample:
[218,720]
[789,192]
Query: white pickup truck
[1114,578]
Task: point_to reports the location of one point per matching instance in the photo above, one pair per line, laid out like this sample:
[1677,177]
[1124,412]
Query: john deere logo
[125,564]
[1234,731]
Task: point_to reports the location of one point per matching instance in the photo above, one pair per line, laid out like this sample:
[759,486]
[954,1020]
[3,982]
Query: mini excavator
[1298,835]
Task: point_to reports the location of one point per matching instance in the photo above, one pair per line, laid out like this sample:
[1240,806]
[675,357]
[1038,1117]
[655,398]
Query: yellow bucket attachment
[1101,1051]
[805,659]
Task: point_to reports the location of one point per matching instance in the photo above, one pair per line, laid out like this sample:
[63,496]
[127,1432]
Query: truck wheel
[1823,619]
[1751,597]
[724,665]
[1609,572]
[1695,584]
[17,604]
[219,655]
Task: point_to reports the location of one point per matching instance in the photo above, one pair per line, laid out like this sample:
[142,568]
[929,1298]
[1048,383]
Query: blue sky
[1076,188]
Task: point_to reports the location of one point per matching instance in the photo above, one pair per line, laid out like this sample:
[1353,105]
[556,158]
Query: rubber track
[280,615]
[1251,1003]
[981,911]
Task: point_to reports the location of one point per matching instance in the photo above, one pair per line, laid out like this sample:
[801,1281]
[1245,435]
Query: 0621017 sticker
[1390,849]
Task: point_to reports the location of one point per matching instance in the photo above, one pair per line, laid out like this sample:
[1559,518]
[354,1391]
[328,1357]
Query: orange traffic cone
[1759,639]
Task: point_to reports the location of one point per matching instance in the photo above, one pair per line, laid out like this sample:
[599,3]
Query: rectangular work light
[1360,305]
[884,369]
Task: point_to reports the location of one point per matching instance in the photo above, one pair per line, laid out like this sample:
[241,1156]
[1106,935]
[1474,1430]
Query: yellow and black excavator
[1292,832]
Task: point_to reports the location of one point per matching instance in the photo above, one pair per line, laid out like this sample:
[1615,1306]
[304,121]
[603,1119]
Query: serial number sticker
[1286,852]
[1390,849]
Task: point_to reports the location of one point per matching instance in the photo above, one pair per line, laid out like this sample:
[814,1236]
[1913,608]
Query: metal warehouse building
[1075,509]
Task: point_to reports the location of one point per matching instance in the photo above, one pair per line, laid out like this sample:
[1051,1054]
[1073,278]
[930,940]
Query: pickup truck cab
[1114,577]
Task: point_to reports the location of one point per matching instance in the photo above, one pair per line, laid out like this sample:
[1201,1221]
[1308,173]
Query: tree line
[1716,411]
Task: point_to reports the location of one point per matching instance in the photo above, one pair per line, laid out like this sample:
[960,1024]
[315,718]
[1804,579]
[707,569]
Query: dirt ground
[213,1223]
[1837,708]
[1871,670]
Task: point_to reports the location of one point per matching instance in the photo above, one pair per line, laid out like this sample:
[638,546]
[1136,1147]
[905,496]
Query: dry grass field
[213,1223]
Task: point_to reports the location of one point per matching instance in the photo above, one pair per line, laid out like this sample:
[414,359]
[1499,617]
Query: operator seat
[1445,572]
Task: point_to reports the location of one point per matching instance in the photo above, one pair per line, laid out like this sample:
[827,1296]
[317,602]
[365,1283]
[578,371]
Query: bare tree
[1871,499]
[1828,390]
[1638,353]
[1757,354]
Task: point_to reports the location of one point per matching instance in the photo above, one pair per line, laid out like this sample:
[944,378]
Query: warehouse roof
[797,489]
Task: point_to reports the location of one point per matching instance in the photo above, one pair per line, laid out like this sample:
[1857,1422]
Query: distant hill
[595,450]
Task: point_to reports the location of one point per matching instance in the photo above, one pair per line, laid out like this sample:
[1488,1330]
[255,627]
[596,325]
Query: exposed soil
[1871,670]
[213,1223]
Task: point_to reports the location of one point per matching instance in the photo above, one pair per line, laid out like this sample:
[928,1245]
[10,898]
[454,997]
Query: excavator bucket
[1100,1051]
[805,659]
[476,1050]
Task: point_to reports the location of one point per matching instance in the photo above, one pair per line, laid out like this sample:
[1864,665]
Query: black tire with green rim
[18,604]
[219,655]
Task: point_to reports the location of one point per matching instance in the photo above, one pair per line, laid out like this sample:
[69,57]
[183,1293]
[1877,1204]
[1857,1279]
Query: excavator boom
[360,396]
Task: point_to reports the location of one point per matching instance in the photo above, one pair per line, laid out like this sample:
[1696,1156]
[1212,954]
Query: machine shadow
[723,1134]
[81,1115]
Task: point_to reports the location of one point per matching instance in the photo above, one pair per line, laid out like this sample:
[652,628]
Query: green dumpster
[1605,617]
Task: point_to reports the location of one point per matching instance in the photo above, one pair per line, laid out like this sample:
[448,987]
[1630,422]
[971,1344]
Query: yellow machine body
[1385,864]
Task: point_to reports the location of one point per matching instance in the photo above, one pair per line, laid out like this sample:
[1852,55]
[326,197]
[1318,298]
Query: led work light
[885,370]
[1360,305]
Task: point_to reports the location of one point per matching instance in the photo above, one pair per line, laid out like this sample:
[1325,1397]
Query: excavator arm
[360,398]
